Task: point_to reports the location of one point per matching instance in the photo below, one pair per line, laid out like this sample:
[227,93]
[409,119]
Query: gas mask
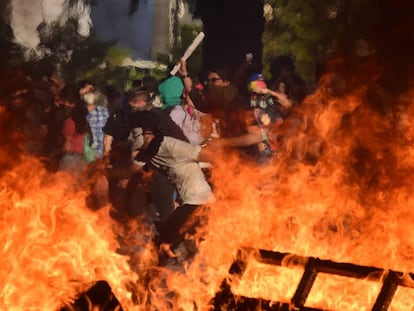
[136,138]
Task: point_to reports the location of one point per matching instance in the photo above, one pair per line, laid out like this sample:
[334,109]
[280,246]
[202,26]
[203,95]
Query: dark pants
[128,202]
[161,195]
[137,198]
[152,198]
[170,230]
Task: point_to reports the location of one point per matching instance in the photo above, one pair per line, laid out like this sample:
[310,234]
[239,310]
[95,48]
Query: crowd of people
[149,150]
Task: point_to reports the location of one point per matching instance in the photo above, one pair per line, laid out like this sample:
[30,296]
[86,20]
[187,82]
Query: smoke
[134,32]
[26,16]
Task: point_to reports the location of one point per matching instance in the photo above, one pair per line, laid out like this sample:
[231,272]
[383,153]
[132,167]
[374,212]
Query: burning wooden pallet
[389,281]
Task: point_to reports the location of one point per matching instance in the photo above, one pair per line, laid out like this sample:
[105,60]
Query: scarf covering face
[151,151]
[218,98]
[136,138]
[171,91]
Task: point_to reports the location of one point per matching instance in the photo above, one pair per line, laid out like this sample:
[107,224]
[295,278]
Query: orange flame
[53,246]
[340,189]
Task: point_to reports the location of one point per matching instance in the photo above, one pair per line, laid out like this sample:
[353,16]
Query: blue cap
[256,76]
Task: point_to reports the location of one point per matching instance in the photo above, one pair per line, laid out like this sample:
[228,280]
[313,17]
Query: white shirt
[179,160]
[188,123]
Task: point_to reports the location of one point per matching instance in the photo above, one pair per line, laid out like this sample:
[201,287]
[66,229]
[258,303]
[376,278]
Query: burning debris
[340,189]
[310,269]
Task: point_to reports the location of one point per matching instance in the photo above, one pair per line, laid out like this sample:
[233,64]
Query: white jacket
[179,160]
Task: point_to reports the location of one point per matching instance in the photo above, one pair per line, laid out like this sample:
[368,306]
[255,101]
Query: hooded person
[171,91]
[180,108]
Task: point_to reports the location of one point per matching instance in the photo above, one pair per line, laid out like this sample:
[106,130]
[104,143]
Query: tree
[69,53]
[357,32]
[302,29]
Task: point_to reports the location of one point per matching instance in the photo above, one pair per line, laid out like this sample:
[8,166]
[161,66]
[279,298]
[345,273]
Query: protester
[97,117]
[122,189]
[118,155]
[53,119]
[150,83]
[232,115]
[178,160]
[283,74]
[161,191]
[162,178]
[113,98]
[74,131]
[180,108]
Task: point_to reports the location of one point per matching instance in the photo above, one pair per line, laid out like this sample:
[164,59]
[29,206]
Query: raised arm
[187,81]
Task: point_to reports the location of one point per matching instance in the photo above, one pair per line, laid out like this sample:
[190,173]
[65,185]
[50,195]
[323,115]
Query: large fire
[340,189]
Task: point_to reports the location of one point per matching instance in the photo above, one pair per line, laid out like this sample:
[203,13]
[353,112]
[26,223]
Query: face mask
[89,98]
[140,107]
[136,138]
